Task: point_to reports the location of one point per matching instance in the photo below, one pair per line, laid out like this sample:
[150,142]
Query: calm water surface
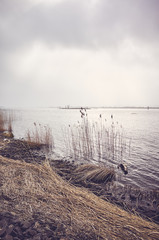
[141,125]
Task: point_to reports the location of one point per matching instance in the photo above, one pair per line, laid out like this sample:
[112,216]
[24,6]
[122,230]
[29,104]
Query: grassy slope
[35,189]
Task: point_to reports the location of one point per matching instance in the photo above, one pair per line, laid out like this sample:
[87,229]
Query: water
[140,125]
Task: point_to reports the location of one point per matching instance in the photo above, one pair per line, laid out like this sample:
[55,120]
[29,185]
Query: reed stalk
[99,141]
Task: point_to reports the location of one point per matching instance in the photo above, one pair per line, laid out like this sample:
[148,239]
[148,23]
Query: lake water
[140,125]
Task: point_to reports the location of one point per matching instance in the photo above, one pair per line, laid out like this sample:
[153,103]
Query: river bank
[23,217]
[135,200]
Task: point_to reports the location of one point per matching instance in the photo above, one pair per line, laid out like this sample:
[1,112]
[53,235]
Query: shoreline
[44,199]
[135,200]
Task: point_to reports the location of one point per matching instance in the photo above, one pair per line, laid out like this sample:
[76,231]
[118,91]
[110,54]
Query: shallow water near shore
[139,125]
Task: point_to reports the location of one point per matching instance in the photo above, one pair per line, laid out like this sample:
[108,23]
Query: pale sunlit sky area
[79,53]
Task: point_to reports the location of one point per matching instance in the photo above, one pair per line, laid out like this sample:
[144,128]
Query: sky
[79,53]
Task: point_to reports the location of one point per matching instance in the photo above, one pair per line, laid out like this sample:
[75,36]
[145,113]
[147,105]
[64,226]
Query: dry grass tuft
[97,174]
[37,189]
[40,135]
[6,120]
[2,121]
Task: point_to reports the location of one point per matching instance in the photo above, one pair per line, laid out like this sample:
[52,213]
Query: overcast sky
[79,53]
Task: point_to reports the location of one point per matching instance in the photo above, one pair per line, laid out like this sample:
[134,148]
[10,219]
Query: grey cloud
[64,23]
[116,20]
[75,23]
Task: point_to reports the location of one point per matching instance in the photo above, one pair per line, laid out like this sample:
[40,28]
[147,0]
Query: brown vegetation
[40,135]
[6,119]
[31,190]
[2,121]
[93,173]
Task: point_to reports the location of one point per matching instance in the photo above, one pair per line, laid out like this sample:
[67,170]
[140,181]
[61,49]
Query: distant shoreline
[70,108]
[74,108]
[128,107]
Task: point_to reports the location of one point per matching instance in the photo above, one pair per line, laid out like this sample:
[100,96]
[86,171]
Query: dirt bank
[142,203]
[44,206]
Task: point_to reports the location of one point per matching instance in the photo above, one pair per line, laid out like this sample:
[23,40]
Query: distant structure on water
[68,107]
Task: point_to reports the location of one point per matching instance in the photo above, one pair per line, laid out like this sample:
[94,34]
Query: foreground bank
[44,206]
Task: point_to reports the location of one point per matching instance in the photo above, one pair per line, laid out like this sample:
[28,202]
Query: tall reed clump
[2,121]
[96,140]
[40,135]
[6,121]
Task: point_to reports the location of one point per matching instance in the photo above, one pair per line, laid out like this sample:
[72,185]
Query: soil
[144,204]
[14,228]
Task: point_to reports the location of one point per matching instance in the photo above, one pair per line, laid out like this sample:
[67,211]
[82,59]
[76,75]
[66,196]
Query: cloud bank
[79,52]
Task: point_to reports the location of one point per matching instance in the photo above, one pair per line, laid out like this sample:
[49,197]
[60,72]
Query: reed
[96,140]
[40,135]
[2,121]
[6,122]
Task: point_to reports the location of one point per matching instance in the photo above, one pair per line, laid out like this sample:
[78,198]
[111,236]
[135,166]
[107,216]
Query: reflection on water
[140,125]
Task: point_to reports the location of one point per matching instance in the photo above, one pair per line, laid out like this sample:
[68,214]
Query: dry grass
[40,135]
[2,121]
[6,120]
[97,174]
[35,189]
